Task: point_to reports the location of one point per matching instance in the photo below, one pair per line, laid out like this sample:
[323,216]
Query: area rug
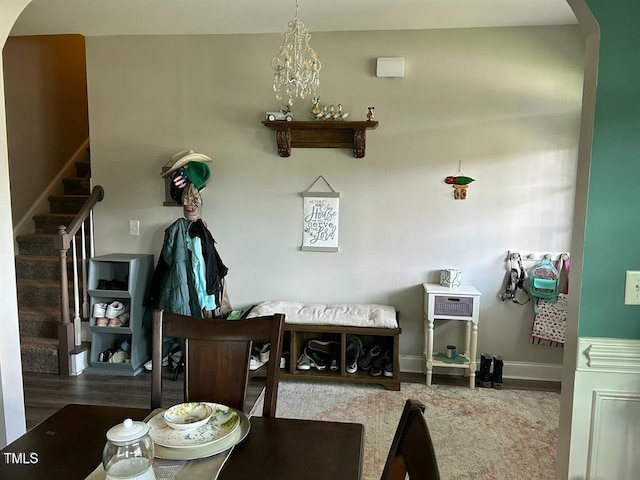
[477,434]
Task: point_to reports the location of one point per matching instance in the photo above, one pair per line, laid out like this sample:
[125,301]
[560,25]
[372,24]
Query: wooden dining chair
[217,354]
[411,450]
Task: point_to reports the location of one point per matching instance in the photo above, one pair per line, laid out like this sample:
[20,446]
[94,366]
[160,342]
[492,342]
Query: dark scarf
[215,269]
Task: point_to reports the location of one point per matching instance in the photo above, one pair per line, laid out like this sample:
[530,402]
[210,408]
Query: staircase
[38,275]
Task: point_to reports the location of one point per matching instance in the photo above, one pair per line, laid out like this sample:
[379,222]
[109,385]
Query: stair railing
[70,334]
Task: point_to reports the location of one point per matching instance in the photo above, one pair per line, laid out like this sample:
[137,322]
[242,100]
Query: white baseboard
[79,361]
[517,370]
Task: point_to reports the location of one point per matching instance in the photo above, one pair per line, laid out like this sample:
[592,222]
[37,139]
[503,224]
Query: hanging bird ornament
[459,182]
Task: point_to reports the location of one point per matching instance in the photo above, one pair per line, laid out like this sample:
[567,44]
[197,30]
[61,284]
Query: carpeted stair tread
[42,313]
[41,293]
[39,355]
[40,321]
[40,267]
[53,342]
[38,244]
[49,222]
[40,283]
[35,236]
[66,203]
[83,168]
[76,185]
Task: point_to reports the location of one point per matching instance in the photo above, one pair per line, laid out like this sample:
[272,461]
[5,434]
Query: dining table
[68,445]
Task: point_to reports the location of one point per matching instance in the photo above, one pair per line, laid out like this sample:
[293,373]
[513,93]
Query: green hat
[197,173]
[181,159]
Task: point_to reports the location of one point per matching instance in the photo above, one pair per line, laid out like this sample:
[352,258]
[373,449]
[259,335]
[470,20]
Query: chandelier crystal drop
[297,68]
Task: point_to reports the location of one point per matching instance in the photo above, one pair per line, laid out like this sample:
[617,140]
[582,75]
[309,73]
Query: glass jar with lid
[128,452]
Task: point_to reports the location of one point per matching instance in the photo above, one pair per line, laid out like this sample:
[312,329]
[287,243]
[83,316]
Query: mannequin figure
[191,203]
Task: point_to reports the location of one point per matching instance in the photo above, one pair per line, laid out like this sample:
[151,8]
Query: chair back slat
[217,356]
[202,360]
[412,450]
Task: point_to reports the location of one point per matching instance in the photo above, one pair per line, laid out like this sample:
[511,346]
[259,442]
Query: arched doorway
[10,12]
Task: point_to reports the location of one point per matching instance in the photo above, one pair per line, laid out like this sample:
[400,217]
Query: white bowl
[187,416]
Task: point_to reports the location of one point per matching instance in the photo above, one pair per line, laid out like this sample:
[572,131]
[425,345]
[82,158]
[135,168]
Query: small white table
[451,303]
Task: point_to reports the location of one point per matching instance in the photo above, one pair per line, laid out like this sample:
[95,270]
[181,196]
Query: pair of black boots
[487,378]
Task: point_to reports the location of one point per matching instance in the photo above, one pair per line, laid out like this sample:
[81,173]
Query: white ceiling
[149,17]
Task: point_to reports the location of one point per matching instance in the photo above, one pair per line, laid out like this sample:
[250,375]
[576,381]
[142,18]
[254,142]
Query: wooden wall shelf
[321,134]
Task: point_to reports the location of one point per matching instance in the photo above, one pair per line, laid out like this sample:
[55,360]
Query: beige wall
[505,102]
[46,108]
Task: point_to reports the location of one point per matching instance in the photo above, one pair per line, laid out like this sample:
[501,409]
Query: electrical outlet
[134,227]
[632,288]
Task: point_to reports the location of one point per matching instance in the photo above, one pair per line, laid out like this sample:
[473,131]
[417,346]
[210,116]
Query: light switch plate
[134,227]
[632,288]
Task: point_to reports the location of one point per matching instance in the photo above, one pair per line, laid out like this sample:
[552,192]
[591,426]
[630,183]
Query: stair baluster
[63,242]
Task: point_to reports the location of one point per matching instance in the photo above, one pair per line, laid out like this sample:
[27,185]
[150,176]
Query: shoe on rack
[106,355]
[284,359]
[99,309]
[315,358]
[149,365]
[121,321]
[117,285]
[354,351]
[334,366]
[115,309]
[98,312]
[303,362]
[382,364]
[255,363]
[119,357]
[262,351]
[387,366]
[326,348]
[366,361]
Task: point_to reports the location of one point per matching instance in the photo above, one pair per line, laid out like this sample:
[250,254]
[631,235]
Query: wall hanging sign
[320,219]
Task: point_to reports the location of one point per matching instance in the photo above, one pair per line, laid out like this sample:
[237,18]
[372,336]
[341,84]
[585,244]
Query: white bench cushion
[352,315]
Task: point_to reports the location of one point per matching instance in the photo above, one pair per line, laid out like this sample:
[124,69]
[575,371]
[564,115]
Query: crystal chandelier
[297,68]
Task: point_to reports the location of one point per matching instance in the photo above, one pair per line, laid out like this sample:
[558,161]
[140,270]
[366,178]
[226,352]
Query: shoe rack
[297,335]
[124,278]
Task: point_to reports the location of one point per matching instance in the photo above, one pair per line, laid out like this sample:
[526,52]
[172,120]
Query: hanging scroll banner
[320,219]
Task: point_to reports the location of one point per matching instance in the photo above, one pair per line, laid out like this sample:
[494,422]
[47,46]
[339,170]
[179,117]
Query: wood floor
[45,394]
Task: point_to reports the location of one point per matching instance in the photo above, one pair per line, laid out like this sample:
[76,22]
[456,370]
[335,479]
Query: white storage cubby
[124,278]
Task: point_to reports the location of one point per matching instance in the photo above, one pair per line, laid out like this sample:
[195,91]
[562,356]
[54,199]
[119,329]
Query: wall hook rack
[527,256]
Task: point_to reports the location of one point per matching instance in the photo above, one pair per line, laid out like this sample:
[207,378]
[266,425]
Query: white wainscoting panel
[615,434]
[605,427]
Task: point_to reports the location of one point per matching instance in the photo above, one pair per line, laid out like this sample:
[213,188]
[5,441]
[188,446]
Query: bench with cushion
[373,324]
